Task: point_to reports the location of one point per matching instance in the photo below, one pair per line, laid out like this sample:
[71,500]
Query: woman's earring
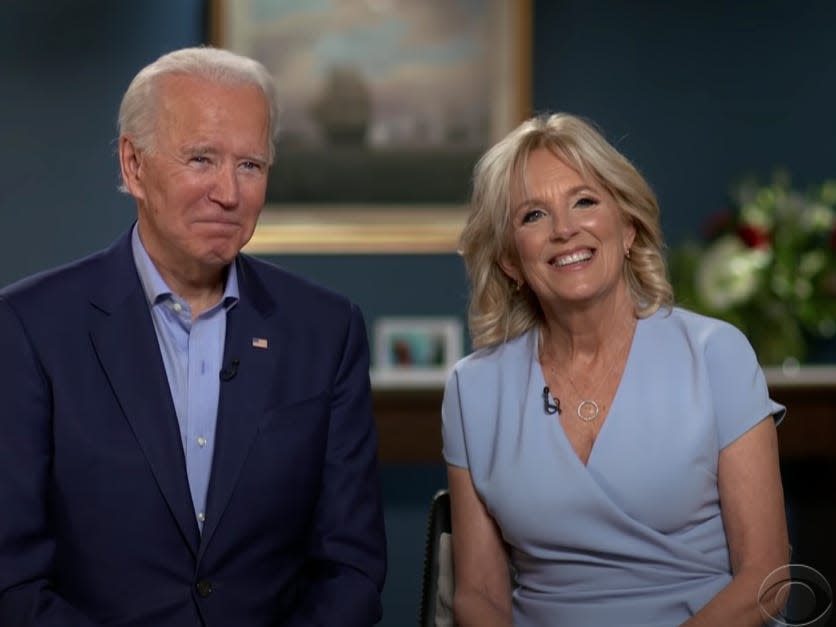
[627,253]
[519,285]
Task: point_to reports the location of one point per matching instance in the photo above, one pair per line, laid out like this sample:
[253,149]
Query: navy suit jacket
[96,520]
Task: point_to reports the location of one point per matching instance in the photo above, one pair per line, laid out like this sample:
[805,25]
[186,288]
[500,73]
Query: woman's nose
[563,224]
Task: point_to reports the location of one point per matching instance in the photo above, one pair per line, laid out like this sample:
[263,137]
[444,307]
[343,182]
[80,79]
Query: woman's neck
[588,335]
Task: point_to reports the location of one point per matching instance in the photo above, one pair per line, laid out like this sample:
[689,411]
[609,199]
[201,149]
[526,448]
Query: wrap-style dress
[635,536]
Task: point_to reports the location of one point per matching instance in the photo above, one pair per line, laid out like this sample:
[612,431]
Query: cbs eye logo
[795,595]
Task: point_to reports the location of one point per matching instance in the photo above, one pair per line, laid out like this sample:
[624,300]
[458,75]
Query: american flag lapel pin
[260,342]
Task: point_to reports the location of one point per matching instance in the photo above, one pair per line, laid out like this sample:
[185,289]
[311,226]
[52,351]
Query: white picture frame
[415,351]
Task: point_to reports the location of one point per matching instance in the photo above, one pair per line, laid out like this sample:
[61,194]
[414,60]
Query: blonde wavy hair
[498,311]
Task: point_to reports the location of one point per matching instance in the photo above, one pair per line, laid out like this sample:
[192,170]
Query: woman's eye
[586,202]
[531,216]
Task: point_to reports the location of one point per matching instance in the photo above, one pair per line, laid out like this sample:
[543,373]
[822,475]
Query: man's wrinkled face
[201,184]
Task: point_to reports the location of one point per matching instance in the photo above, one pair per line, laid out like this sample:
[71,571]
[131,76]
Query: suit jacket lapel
[126,343]
[241,400]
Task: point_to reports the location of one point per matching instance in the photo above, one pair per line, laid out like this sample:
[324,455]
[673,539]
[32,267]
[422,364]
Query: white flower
[728,272]
[809,263]
[758,214]
[817,217]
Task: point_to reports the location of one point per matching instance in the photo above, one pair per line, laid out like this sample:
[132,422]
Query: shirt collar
[155,287]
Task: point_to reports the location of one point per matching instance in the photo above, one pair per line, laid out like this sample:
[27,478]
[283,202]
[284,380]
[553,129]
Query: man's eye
[251,165]
[200,159]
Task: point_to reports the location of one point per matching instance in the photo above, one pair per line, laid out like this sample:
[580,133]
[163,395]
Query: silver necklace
[588,409]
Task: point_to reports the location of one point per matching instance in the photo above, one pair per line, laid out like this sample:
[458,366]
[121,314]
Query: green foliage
[768,266]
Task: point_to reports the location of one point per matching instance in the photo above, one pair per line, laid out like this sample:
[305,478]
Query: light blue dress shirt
[192,352]
[635,536]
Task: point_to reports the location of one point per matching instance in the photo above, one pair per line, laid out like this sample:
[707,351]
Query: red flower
[753,236]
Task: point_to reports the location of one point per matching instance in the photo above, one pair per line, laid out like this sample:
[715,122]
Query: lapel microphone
[548,407]
[227,374]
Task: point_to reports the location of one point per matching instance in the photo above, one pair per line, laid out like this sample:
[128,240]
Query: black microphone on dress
[548,407]
[227,374]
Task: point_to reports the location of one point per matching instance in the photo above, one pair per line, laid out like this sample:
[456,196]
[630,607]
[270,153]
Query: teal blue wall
[695,92]
[63,67]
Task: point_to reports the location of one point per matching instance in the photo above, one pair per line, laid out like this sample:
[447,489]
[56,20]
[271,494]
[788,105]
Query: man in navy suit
[186,435]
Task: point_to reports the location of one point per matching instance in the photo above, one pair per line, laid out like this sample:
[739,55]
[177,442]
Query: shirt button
[201,441]
[177,307]
[204,588]
[201,517]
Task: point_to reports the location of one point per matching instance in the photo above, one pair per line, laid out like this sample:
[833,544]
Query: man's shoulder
[286,286]
[70,279]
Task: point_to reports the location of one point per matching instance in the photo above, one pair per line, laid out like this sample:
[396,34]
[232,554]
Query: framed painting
[385,106]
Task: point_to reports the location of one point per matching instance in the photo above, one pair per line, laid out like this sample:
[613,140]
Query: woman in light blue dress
[617,454]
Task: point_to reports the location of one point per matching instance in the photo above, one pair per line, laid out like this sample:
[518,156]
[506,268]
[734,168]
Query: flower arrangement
[768,266]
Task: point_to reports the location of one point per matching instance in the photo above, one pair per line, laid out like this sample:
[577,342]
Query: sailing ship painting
[382,101]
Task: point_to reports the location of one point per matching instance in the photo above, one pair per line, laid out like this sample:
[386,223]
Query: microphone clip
[548,406]
[227,374]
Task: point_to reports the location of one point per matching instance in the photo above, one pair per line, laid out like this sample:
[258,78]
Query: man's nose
[226,187]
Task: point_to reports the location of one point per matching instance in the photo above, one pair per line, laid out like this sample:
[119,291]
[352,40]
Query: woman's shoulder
[696,326]
[489,360]
[696,340]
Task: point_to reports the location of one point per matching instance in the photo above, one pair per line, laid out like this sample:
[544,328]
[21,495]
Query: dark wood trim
[809,429]
[409,423]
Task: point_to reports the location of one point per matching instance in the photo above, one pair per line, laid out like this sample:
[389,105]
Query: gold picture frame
[493,45]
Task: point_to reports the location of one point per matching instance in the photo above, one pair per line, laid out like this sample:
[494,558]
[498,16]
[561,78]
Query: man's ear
[130,162]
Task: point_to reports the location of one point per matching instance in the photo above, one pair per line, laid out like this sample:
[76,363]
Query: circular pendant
[588,410]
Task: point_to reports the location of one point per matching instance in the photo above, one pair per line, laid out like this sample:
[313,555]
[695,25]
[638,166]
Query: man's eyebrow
[258,158]
[199,149]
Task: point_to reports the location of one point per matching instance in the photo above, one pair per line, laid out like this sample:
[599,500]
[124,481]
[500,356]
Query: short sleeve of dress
[452,429]
[738,386]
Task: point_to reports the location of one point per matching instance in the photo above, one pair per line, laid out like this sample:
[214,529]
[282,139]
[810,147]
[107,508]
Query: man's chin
[220,256]
[224,248]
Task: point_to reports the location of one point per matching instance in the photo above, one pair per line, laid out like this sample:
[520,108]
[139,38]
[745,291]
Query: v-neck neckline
[612,411]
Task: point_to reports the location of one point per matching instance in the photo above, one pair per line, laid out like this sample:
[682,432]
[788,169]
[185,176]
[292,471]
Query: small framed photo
[415,352]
